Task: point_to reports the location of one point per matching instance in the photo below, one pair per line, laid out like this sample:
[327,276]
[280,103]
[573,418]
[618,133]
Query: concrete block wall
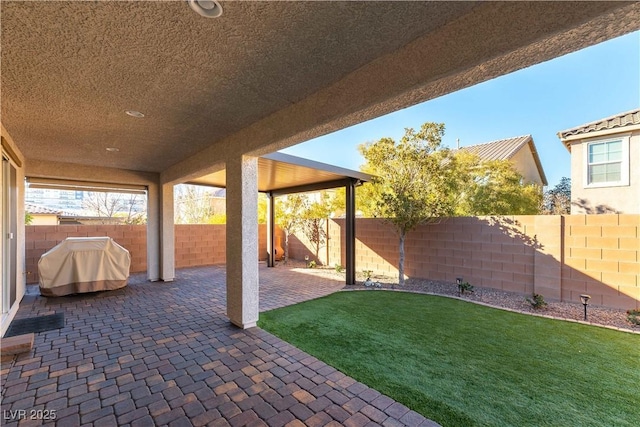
[330,254]
[200,244]
[41,238]
[559,257]
[602,259]
[195,244]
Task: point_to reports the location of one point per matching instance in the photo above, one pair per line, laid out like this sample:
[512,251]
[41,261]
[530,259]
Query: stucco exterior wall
[622,199]
[526,165]
[44,219]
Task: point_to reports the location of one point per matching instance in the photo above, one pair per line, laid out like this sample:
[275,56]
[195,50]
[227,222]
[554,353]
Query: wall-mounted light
[113,149]
[206,8]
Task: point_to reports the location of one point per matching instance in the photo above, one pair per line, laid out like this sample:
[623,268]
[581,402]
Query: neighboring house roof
[622,120]
[39,210]
[505,149]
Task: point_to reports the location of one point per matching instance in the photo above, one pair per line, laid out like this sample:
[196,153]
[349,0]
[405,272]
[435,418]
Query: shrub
[465,287]
[537,302]
[633,316]
[339,268]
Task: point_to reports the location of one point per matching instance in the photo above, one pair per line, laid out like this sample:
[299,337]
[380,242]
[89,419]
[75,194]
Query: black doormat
[35,324]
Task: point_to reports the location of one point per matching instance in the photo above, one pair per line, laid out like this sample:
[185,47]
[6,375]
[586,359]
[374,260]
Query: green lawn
[462,364]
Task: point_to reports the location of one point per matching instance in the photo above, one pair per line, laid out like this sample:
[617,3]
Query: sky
[542,100]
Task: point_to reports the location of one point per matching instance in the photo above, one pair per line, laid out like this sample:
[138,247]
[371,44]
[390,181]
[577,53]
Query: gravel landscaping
[601,316]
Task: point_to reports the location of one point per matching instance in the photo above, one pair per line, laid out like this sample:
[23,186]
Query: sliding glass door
[9,234]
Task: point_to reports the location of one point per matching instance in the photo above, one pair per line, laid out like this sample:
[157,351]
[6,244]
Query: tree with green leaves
[289,213]
[557,201]
[414,182]
[193,204]
[263,203]
[493,187]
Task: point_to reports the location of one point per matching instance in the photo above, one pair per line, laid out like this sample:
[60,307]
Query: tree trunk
[286,246]
[401,259]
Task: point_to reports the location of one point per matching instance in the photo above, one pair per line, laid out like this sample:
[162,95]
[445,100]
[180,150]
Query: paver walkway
[165,354]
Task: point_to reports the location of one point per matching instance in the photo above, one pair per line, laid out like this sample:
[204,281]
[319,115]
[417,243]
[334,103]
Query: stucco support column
[350,232]
[160,233]
[242,240]
[153,232]
[271,228]
[167,240]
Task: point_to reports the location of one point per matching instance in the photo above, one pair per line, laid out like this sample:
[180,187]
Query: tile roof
[505,149]
[39,210]
[628,118]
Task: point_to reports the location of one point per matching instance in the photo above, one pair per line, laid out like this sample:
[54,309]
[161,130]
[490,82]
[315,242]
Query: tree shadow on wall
[587,208]
[507,253]
[511,227]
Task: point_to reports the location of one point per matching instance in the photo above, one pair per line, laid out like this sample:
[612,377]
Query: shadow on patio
[165,354]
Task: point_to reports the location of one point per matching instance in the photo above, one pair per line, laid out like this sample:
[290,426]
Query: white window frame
[624,167]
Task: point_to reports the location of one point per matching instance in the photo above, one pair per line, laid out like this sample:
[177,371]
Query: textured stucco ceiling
[259,76]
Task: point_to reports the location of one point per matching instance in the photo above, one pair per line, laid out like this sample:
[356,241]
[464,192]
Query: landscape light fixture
[206,8]
[585,301]
[459,283]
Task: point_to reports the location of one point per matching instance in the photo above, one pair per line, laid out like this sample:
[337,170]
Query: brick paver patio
[165,354]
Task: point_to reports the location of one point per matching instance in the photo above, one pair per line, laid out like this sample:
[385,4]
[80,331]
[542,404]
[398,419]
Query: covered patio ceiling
[261,77]
[280,173]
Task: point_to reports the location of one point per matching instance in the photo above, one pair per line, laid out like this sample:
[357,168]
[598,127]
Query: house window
[607,162]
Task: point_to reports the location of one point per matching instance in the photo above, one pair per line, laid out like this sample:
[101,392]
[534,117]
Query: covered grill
[83,264]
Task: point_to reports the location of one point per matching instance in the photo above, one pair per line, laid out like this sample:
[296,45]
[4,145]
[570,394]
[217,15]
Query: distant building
[520,150]
[605,164]
[58,200]
[41,215]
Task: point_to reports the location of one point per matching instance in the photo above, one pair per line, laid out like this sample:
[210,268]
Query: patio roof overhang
[280,173]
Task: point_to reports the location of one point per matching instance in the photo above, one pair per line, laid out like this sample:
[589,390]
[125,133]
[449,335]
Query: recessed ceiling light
[112,149]
[206,8]
[134,113]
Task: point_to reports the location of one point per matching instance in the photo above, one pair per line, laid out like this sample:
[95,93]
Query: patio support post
[271,226]
[350,232]
[160,232]
[242,240]
[153,232]
[167,242]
